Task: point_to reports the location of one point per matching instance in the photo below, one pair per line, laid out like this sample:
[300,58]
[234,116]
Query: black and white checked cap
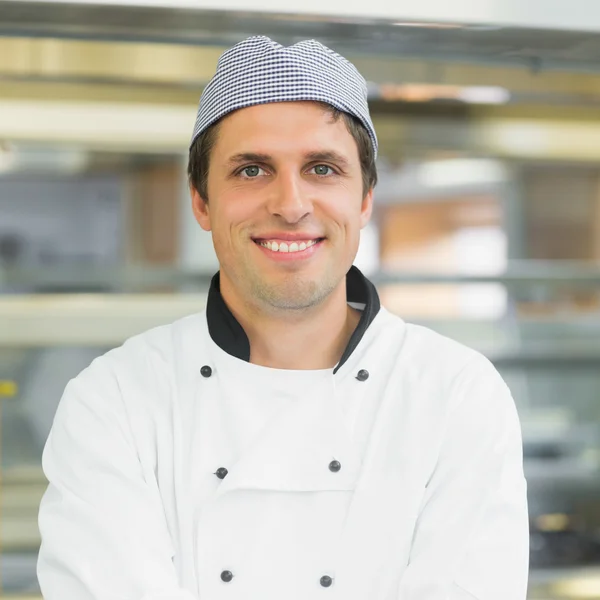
[259,71]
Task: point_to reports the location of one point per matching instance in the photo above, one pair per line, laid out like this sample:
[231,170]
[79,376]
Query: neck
[305,340]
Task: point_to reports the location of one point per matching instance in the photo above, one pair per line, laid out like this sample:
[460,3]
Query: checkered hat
[259,70]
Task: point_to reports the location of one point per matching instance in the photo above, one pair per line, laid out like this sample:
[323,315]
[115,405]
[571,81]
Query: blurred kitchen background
[486,228]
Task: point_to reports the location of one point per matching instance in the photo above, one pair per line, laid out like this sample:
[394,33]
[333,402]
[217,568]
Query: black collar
[228,334]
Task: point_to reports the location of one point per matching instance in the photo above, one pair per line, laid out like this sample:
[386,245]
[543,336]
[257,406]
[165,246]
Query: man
[294,440]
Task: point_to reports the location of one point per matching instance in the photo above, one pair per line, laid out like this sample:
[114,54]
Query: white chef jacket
[178,470]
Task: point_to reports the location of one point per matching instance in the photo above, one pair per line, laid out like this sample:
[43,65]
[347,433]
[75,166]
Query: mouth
[288,246]
[290,250]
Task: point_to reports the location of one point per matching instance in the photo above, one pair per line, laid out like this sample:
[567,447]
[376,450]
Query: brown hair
[199,156]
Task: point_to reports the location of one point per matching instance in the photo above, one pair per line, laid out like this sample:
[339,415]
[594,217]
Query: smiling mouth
[288,247]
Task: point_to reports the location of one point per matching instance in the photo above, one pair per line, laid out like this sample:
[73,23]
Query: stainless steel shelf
[533,47]
[519,274]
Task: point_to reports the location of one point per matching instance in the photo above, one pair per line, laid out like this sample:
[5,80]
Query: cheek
[345,210]
[353,228]
[230,221]
[237,206]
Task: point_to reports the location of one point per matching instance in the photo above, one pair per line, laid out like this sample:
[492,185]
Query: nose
[288,199]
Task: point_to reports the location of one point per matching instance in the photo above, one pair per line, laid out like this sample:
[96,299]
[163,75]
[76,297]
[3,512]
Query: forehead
[285,126]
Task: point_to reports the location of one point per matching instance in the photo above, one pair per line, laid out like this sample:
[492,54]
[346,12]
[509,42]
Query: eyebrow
[246,157]
[325,155]
[329,156]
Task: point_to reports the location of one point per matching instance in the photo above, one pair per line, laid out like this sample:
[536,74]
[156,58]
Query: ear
[366,208]
[200,209]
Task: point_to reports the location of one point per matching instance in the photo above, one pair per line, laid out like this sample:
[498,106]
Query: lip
[287,237]
[291,256]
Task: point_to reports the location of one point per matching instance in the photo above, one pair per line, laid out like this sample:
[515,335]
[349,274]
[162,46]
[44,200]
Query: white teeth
[284,247]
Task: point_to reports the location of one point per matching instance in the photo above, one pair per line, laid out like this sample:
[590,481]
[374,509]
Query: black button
[221,472]
[326,581]
[362,375]
[335,466]
[206,371]
[226,576]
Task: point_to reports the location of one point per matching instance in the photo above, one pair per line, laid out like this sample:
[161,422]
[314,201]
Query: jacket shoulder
[456,366]
[423,346]
[141,358]
[432,346]
[428,355]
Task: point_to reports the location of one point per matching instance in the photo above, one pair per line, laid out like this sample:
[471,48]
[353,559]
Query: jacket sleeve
[103,528]
[472,536]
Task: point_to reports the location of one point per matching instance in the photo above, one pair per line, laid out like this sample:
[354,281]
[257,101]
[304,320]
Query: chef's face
[284,176]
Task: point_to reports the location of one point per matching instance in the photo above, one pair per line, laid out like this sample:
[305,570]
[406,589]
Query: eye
[323,170]
[250,172]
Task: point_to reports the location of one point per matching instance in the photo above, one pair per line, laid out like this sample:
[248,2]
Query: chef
[293,440]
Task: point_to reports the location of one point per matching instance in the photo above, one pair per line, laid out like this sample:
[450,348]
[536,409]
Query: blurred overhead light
[425,92]
[578,588]
[459,172]
[553,522]
[59,161]
[484,95]
[138,127]
[426,25]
